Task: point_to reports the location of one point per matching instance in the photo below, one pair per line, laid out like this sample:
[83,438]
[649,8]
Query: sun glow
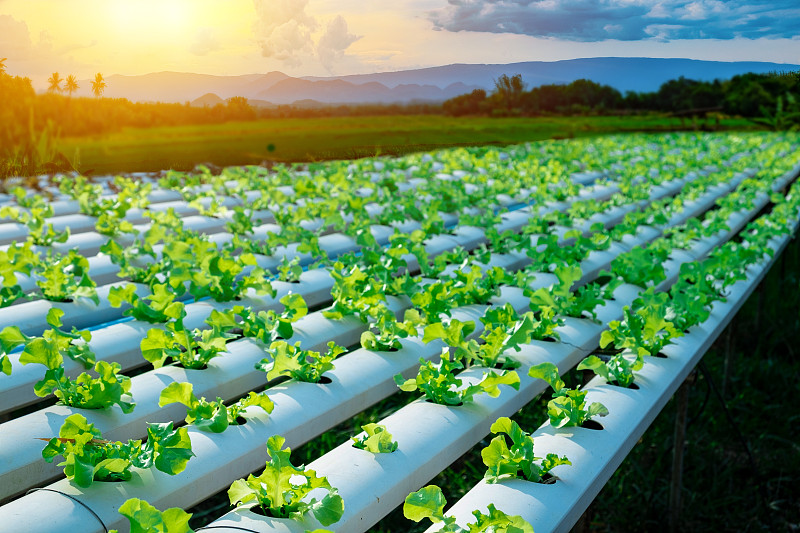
[168,17]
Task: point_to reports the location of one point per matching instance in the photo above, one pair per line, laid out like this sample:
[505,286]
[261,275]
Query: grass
[314,139]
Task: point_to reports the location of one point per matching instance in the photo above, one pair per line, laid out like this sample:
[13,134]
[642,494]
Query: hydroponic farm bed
[158,334]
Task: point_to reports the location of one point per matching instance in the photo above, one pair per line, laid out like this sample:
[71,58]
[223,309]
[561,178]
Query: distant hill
[427,84]
[169,86]
[622,73]
[207,100]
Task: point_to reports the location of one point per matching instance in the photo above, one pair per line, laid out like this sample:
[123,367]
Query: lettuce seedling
[428,502]
[646,328]
[219,275]
[560,298]
[640,266]
[518,460]
[241,221]
[568,406]
[158,307]
[85,392]
[454,334]
[295,363]
[57,342]
[354,293]
[214,417]
[433,301]
[40,232]
[16,259]
[127,258]
[290,271]
[66,277]
[476,286]
[389,332]
[441,386]
[88,458]
[144,518]
[112,223]
[10,338]
[265,326]
[190,348]
[282,490]
[376,439]
[618,369]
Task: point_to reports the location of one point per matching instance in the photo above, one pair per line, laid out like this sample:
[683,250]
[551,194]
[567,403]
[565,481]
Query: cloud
[283,29]
[15,38]
[34,59]
[285,32]
[627,20]
[334,42]
[204,42]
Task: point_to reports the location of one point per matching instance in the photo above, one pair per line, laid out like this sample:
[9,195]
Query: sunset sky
[324,37]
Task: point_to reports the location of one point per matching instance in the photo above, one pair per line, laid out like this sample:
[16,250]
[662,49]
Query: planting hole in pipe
[181,365]
[459,404]
[547,479]
[632,386]
[593,425]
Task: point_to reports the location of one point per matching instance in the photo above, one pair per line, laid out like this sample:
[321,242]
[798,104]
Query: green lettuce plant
[517,460]
[282,490]
[568,406]
[429,502]
[88,457]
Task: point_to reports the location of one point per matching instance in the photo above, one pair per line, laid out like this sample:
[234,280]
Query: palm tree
[55,83]
[3,65]
[98,85]
[72,84]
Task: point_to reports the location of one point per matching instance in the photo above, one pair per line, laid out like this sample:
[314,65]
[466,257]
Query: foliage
[560,298]
[66,277]
[646,328]
[567,408]
[85,391]
[265,326]
[440,385]
[190,348]
[280,493]
[506,462]
[429,502]
[295,363]
[617,369]
[144,518]
[88,458]
[376,439]
[215,416]
[158,307]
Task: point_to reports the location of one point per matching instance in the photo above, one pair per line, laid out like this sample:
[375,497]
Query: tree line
[746,95]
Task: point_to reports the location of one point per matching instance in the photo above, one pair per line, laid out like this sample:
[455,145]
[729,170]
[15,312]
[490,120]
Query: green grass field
[314,139]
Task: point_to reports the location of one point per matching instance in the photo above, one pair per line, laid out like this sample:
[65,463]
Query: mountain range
[431,84]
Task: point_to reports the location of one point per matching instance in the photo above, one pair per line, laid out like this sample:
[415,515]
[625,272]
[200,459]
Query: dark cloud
[627,20]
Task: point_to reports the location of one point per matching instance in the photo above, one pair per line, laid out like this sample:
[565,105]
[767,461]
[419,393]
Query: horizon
[343,75]
[323,38]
